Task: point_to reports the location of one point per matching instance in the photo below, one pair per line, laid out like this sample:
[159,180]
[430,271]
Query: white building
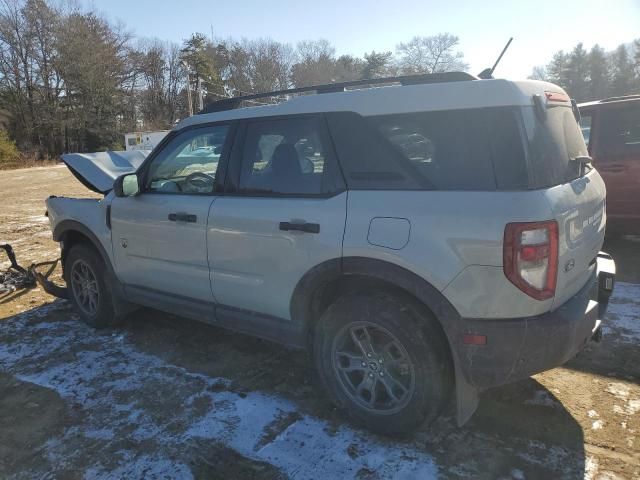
[143,140]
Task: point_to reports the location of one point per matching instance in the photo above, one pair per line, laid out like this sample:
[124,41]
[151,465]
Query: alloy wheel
[373,367]
[84,285]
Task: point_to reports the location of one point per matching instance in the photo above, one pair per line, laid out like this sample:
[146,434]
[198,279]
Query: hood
[97,171]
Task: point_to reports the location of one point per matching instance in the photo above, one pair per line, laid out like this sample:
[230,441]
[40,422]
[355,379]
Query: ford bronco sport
[425,237]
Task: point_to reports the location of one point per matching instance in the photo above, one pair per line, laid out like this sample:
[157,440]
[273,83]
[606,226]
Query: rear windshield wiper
[582,159]
[585,162]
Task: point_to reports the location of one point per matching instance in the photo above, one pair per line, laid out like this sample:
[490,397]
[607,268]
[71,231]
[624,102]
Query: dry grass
[28,162]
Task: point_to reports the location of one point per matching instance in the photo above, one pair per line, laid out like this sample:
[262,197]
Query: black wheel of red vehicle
[89,291]
[383,360]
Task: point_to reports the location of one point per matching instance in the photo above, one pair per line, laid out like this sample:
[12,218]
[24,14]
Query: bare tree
[250,66]
[316,63]
[539,73]
[161,102]
[30,84]
[437,53]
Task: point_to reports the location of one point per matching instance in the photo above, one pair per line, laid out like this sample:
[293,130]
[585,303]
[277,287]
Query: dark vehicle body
[612,132]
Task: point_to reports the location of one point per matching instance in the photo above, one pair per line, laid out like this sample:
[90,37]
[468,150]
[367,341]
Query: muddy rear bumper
[520,347]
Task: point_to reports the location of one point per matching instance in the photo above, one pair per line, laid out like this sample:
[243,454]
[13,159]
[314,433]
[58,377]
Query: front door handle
[183,217]
[301,227]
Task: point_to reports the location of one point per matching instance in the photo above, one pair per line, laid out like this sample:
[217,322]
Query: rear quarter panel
[455,243]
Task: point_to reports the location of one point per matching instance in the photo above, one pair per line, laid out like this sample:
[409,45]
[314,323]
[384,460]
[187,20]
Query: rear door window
[619,130]
[284,157]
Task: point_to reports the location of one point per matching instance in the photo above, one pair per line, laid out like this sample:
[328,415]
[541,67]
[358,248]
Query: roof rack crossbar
[235,102]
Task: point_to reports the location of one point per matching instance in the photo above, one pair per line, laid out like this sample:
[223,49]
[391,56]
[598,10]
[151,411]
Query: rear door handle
[615,168]
[183,217]
[301,227]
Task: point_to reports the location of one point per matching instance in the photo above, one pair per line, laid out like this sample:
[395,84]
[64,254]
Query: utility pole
[200,95]
[189,101]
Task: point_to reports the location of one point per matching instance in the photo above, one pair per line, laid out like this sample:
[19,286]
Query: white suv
[425,238]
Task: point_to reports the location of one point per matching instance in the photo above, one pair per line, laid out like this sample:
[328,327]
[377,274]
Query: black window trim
[221,171]
[332,173]
[591,113]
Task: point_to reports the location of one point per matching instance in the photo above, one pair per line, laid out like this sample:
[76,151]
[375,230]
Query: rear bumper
[519,347]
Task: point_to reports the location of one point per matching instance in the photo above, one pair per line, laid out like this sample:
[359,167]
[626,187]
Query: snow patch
[623,314]
[590,467]
[131,397]
[619,390]
[597,425]
[145,466]
[517,474]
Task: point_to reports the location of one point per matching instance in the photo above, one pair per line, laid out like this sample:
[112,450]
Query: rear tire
[89,290]
[382,358]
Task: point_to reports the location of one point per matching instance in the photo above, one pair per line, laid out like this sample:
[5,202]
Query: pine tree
[623,80]
[557,69]
[598,74]
[197,55]
[577,69]
[376,64]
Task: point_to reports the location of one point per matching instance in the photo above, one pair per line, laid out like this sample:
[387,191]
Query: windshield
[554,142]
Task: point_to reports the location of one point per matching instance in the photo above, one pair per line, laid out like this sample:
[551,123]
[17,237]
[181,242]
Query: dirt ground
[166,397]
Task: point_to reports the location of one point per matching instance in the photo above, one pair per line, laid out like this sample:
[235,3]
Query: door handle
[615,168]
[183,217]
[301,227]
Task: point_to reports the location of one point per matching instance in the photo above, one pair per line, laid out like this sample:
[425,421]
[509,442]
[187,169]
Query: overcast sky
[539,28]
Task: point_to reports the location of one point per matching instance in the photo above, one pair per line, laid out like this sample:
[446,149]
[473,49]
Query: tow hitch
[17,277]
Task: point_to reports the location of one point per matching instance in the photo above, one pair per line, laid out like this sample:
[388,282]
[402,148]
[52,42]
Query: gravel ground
[166,397]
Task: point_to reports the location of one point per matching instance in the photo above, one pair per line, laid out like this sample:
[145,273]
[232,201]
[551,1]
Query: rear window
[553,142]
[472,149]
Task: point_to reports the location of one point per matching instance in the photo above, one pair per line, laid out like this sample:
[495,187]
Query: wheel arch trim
[73,226]
[302,303]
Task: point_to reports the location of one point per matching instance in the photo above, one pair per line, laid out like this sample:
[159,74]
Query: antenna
[487,73]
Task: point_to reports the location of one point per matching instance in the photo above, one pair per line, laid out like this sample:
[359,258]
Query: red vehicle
[611,128]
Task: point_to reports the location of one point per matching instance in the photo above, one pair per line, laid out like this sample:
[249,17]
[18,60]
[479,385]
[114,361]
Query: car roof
[387,100]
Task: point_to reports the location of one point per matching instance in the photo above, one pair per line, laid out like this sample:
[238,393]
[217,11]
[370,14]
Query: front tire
[382,358]
[89,291]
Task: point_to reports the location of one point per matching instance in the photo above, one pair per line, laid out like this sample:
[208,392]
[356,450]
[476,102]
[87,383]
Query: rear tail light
[531,257]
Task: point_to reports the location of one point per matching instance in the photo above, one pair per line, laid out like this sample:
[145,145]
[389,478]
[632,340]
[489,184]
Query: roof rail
[235,102]
[616,99]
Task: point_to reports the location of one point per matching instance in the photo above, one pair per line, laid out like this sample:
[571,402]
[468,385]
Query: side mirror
[126,185]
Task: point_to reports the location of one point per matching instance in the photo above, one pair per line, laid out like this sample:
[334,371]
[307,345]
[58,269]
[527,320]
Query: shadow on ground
[521,426]
[519,429]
